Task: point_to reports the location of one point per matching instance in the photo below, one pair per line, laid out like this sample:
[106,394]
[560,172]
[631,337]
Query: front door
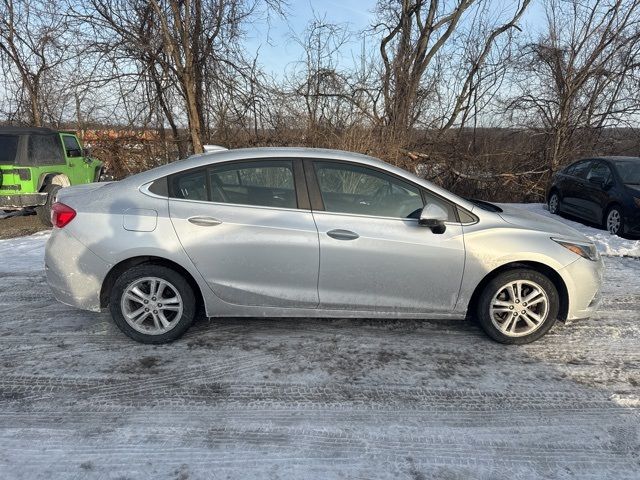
[241,225]
[373,253]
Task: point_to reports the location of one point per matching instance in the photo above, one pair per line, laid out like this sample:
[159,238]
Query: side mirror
[433,217]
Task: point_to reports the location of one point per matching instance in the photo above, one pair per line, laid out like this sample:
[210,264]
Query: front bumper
[22,200]
[632,221]
[583,279]
[74,273]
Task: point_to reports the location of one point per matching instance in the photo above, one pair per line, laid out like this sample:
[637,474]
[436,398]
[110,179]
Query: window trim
[300,189]
[317,204]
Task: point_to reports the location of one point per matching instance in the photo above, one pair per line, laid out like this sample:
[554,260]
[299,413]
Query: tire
[517,327]
[177,292]
[44,211]
[554,203]
[614,227]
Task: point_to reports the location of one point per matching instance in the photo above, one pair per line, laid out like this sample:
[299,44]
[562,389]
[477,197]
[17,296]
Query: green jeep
[37,162]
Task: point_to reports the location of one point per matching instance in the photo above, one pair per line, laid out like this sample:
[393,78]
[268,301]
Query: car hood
[532,221]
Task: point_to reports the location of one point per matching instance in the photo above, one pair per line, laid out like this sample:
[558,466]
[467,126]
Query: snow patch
[23,254]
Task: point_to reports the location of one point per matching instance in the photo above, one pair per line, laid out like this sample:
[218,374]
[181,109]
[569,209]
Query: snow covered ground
[309,398]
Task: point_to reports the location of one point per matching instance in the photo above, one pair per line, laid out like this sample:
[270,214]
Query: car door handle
[204,221]
[343,234]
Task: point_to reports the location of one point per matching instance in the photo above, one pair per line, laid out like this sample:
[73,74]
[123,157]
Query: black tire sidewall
[484,301]
[150,270]
[44,211]
[554,194]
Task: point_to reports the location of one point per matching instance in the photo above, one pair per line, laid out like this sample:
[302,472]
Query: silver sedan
[291,232]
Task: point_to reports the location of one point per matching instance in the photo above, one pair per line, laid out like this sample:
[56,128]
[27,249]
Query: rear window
[8,149]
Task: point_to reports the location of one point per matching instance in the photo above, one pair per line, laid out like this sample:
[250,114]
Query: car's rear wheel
[152,304]
[518,306]
[614,221]
[554,203]
[44,211]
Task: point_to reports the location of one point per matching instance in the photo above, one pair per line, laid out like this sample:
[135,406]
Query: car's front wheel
[152,304]
[518,306]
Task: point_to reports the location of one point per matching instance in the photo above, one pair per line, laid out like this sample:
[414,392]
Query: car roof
[610,158]
[203,159]
[26,131]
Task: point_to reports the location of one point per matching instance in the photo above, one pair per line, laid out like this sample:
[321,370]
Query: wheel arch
[121,267]
[546,270]
[553,190]
[53,177]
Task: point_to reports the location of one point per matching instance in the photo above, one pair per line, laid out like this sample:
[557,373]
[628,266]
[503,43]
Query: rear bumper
[74,273]
[23,200]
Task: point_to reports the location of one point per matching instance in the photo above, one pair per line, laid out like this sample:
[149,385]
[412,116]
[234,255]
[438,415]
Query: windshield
[629,171]
[490,207]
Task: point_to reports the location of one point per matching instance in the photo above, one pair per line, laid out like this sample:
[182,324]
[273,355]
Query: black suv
[603,190]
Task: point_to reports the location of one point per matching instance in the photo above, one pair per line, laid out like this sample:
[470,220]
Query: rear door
[373,253]
[573,189]
[248,228]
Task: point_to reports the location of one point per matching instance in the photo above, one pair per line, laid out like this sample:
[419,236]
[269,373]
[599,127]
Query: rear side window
[44,150]
[8,149]
[265,183]
[191,185]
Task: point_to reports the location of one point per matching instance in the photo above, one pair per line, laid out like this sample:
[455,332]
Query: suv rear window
[44,150]
[8,149]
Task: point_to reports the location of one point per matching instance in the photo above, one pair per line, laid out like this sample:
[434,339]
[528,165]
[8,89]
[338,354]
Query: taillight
[61,214]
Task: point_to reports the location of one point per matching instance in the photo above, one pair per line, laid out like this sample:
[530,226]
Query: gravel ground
[282,398]
[19,224]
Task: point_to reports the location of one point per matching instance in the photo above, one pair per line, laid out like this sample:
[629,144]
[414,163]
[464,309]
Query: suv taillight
[61,214]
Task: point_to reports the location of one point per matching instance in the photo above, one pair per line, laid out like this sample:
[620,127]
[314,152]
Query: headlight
[585,250]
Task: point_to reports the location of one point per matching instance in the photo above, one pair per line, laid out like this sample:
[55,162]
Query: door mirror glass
[433,216]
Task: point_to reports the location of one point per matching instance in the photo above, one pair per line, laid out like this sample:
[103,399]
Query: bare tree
[33,42]
[415,32]
[576,76]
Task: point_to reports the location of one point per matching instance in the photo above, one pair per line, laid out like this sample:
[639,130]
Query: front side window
[71,146]
[600,172]
[359,190]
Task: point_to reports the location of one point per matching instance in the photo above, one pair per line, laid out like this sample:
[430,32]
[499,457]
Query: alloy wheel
[614,220]
[151,305]
[553,203]
[519,308]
